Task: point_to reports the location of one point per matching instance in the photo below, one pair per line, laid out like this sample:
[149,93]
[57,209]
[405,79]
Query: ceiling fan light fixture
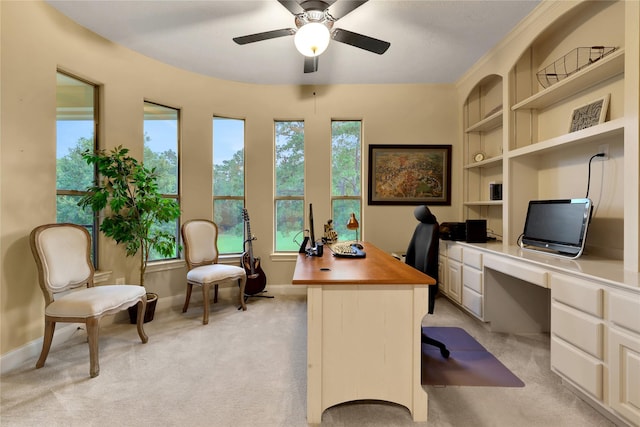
[312,39]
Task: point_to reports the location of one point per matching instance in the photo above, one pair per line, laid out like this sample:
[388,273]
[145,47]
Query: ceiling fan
[314,27]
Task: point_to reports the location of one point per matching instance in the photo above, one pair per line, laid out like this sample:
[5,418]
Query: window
[228,183]
[289,184]
[76,132]
[161,139]
[346,182]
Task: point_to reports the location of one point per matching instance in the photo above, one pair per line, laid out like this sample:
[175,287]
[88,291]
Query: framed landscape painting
[410,174]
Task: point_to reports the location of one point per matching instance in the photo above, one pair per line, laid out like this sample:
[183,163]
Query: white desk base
[364,342]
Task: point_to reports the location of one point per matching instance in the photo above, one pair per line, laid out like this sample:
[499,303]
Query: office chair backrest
[422,252]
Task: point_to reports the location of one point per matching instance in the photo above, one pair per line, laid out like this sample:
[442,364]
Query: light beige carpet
[249,369]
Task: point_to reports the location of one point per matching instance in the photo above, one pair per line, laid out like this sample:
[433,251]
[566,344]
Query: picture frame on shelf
[409,175]
[590,114]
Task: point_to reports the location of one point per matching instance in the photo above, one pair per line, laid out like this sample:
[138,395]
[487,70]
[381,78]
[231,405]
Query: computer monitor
[312,233]
[557,226]
[311,239]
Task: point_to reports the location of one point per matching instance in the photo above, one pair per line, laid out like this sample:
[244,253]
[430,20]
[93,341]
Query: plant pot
[152,300]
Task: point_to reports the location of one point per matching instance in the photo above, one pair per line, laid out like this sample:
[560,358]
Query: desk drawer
[472,278]
[473,258]
[580,368]
[578,294]
[585,332]
[517,269]
[624,310]
[455,252]
[472,301]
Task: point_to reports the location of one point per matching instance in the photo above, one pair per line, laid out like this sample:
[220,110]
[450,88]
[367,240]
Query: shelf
[491,162]
[594,133]
[609,66]
[484,203]
[487,124]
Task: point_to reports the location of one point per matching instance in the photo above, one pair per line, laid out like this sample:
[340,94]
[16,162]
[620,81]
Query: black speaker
[453,231]
[495,191]
[476,230]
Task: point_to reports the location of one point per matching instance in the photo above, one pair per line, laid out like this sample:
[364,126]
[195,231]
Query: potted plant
[130,192]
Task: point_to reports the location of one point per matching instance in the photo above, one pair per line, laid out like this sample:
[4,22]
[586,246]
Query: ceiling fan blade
[264,36]
[361,41]
[343,7]
[310,64]
[292,6]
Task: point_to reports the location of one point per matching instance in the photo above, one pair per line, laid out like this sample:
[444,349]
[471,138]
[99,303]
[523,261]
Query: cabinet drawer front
[455,252]
[580,330]
[624,310]
[577,366]
[520,270]
[473,258]
[578,294]
[472,278]
[472,301]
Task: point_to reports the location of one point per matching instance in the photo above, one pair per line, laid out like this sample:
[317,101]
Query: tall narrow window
[161,141]
[346,182]
[289,188]
[76,129]
[228,183]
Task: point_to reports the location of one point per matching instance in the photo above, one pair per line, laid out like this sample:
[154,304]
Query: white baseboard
[64,331]
[17,357]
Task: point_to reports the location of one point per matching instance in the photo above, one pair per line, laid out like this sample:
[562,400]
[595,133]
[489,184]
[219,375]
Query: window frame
[95,226]
[355,198]
[244,181]
[277,198]
[178,196]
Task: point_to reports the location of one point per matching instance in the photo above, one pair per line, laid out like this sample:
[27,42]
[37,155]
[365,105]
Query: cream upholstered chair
[200,239]
[65,273]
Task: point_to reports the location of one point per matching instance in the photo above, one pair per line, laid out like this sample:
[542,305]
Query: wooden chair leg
[142,308]
[188,297]
[243,282]
[215,294]
[205,302]
[92,335]
[49,329]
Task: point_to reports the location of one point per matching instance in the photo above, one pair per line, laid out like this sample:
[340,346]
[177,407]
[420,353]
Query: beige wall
[36,40]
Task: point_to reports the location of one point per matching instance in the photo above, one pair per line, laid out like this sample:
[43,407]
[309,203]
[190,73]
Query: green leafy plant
[135,206]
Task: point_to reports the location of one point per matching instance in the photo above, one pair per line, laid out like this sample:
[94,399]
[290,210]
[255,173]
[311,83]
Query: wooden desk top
[377,268]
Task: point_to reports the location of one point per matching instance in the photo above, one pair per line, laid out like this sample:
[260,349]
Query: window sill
[233,259]
[284,257]
[101,276]
[171,264]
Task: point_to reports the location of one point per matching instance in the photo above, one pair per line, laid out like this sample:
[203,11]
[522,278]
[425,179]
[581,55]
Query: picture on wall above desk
[409,174]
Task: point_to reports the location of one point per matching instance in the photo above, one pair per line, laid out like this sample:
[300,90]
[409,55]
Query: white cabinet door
[442,275]
[624,374]
[624,355]
[454,280]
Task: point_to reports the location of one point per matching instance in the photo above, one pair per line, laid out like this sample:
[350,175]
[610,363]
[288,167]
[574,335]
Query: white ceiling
[432,41]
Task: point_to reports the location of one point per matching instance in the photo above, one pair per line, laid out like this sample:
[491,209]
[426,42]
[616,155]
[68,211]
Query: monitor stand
[303,246]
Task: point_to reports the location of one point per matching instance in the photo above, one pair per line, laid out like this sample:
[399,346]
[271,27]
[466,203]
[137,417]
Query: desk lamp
[353,224]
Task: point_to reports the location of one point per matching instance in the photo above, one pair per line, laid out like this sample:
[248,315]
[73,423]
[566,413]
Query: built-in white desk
[590,306]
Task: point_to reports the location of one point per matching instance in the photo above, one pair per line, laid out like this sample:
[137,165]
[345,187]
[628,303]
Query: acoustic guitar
[256,279]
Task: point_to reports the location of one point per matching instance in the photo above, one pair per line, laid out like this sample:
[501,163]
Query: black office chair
[422,254]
